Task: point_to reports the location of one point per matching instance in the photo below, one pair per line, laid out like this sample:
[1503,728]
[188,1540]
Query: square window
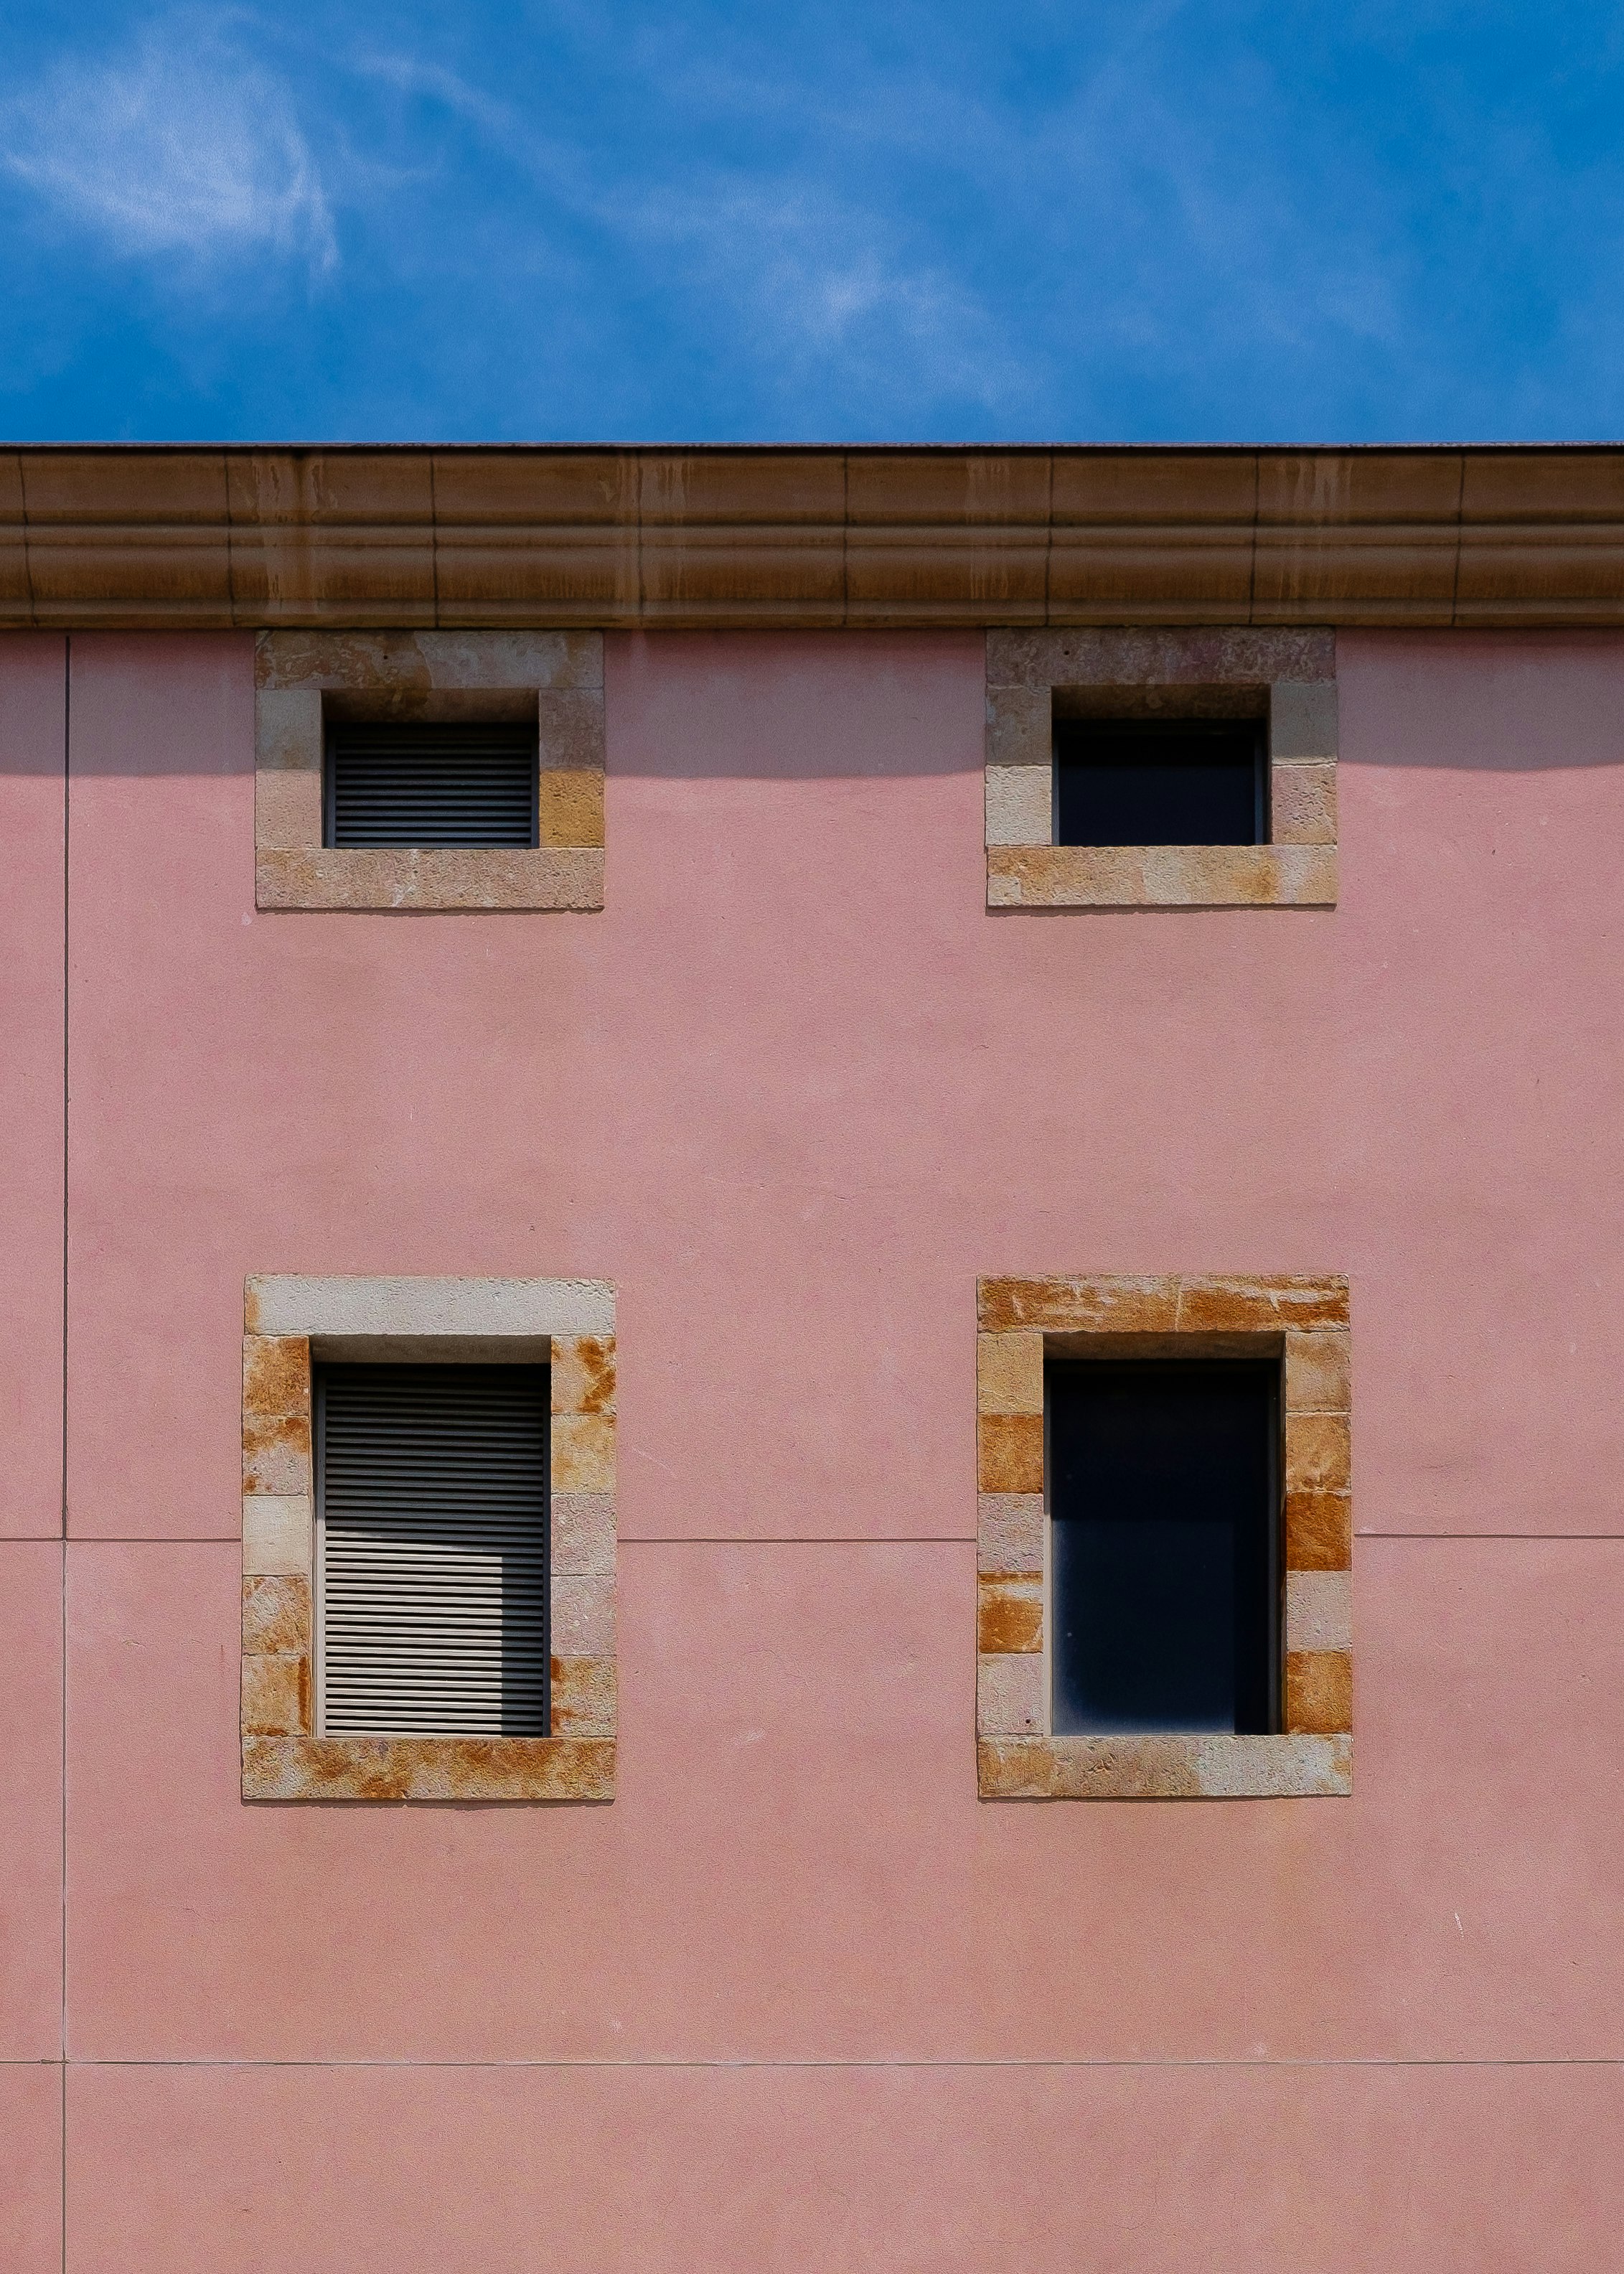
[432,1550]
[1142,782]
[1164,1522]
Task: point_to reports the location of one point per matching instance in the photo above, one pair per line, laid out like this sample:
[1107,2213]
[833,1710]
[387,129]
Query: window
[1136,769]
[428,1540]
[409,771]
[1143,781]
[1163,1486]
[413,783]
[432,1550]
[1165,1536]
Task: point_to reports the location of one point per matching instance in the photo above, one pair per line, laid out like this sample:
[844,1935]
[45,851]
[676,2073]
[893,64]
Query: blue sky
[1201,223]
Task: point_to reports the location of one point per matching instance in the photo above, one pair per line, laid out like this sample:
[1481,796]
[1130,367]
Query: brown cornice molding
[184,538]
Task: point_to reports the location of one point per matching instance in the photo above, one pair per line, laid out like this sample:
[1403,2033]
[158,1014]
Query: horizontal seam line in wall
[971,2061]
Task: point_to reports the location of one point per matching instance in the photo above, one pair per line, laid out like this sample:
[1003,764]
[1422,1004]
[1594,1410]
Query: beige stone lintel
[292,1304]
[428,661]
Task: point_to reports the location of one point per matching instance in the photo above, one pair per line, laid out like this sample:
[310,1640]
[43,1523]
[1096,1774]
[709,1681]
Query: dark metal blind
[413,783]
[433,1549]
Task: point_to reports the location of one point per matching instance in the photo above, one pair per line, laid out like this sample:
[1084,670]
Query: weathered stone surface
[583,1533]
[382,661]
[583,1376]
[277,1373]
[1317,1452]
[1319,1610]
[569,726]
[1303,803]
[1009,1613]
[1261,1305]
[287,810]
[1009,1695]
[1020,726]
[583,1614]
[584,1692]
[1009,1532]
[1095,1304]
[1009,1373]
[403,879]
[275,1695]
[428,1768]
[289,1305]
[276,1534]
[1214,656]
[288,735]
[1164,1767]
[1020,805]
[276,1453]
[1010,1453]
[1318,1373]
[1303,719]
[583,1452]
[1320,1691]
[1319,1531]
[1162,875]
[570,809]
[276,1615]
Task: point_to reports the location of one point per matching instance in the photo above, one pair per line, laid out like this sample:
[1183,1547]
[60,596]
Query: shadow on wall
[1484,702]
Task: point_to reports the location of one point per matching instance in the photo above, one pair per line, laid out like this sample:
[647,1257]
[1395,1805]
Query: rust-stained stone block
[275,1373]
[583,1697]
[570,809]
[1009,1695]
[583,1373]
[428,1768]
[1009,1373]
[1010,1453]
[1320,1692]
[1318,1375]
[1063,1305]
[1303,803]
[276,1616]
[1318,1453]
[276,1453]
[1162,875]
[1008,1614]
[583,1614]
[583,1533]
[1259,1305]
[1009,1532]
[391,878]
[275,1695]
[1319,1531]
[583,1452]
[277,1534]
[1164,1767]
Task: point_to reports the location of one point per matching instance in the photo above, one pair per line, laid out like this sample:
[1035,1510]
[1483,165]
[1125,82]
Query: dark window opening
[1164,1533]
[417,784]
[432,1573]
[1155,781]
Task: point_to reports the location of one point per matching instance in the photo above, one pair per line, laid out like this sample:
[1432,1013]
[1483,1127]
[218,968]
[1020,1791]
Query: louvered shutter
[414,784]
[433,1549]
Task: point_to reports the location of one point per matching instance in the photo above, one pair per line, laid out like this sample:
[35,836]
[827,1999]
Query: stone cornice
[194,539]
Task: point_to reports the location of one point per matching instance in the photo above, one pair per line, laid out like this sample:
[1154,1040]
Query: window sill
[415,879]
[1162,875]
[1169,1768]
[428,1768]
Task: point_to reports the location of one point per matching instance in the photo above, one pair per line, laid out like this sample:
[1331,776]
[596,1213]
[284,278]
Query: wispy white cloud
[180,145]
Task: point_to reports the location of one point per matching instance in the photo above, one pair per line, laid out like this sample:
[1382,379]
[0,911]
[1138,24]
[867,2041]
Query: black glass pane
[1163,1501]
[1136,781]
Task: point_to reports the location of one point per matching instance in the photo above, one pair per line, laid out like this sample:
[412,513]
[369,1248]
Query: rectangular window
[416,784]
[1157,781]
[432,1550]
[1164,1484]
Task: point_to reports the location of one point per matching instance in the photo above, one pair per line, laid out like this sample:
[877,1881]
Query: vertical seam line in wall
[67,752]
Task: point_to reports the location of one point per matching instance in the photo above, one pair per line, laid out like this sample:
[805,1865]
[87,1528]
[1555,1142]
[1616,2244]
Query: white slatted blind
[433,1549]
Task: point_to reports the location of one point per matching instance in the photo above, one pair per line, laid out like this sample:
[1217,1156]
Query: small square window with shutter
[413,783]
[432,1550]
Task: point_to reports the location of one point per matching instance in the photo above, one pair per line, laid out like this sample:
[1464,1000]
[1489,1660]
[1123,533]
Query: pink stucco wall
[797,1999]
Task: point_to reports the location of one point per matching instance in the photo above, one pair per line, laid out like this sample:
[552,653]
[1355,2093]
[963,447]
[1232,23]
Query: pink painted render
[796,1998]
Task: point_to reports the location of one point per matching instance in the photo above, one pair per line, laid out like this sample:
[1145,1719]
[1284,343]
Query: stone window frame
[1287,677]
[291,1322]
[303,680]
[1304,1321]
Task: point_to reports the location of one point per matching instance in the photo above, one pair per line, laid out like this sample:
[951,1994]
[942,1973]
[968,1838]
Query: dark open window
[1165,1527]
[432,1550]
[1156,782]
[417,784]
